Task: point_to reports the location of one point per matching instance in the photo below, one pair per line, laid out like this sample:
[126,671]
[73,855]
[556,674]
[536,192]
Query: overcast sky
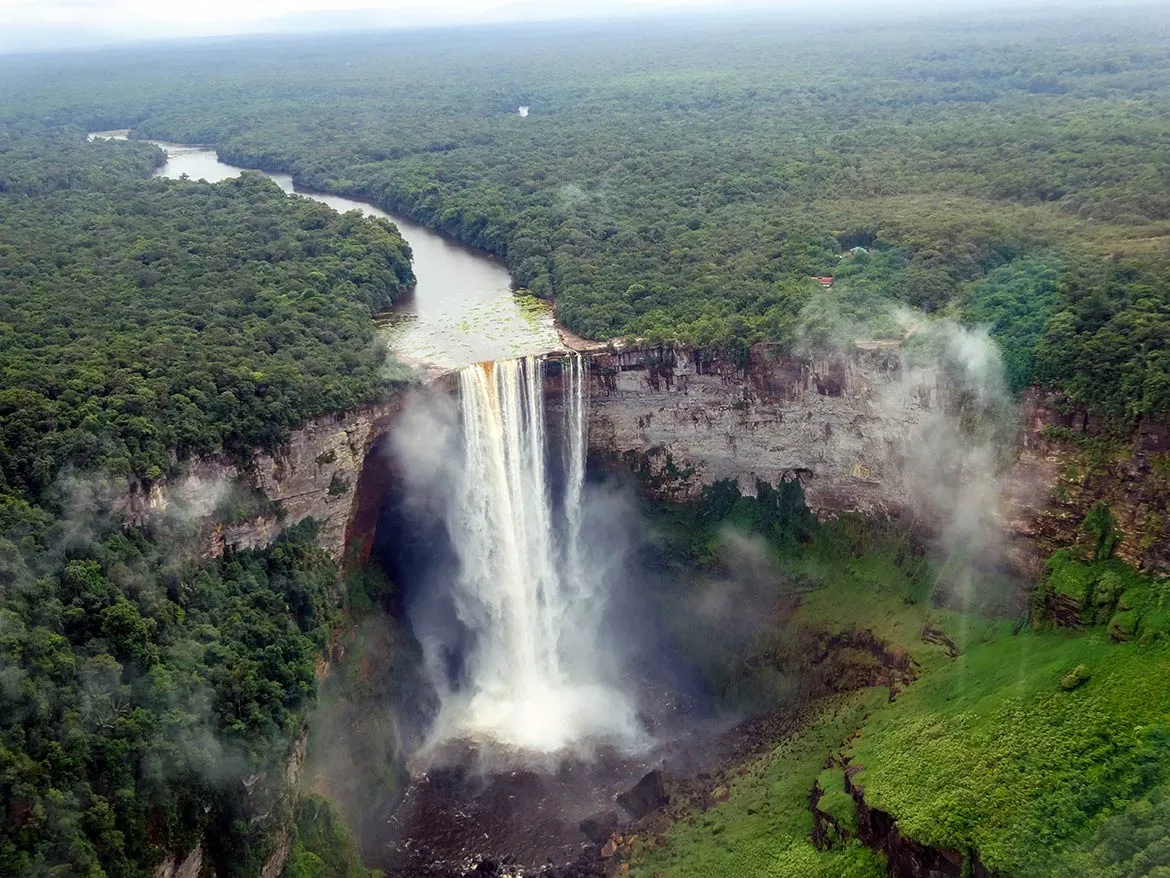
[32,24]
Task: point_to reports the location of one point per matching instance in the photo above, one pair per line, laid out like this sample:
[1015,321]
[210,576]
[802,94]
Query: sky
[38,24]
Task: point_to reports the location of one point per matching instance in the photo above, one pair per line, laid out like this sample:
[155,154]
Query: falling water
[576,424]
[524,588]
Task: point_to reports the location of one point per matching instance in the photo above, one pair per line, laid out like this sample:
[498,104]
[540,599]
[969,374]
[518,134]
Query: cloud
[39,25]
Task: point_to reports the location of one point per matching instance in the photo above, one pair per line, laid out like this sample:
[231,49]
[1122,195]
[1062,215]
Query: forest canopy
[145,321]
[686,183]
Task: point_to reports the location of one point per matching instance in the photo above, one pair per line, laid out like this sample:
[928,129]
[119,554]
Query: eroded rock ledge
[846,425]
[315,474]
[836,423]
[878,830]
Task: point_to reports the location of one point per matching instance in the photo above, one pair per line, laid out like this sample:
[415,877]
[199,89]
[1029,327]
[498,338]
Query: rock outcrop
[1067,461]
[288,797]
[647,795]
[191,866]
[906,858]
[314,474]
[836,423]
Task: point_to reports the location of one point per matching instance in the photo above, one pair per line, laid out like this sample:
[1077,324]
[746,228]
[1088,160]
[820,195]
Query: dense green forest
[147,320]
[679,184]
[144,321]
[685,183]
[139,690]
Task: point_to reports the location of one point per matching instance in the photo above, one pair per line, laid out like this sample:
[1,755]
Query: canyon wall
[278,808]
[836,423]
[244,506]
[1068,460]
[856,431]
[845,425]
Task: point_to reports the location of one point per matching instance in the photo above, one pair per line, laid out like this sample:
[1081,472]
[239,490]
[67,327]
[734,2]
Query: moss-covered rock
[1077,677]
[1123,625]
[1154,626]
[835,803]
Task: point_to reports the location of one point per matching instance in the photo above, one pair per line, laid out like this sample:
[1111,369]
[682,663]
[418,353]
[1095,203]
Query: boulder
[645,796]
[600,826]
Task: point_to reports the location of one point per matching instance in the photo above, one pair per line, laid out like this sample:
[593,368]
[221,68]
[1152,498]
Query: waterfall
[523,587]
[576,395]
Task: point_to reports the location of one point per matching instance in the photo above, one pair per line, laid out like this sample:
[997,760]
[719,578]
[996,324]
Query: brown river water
[463,309]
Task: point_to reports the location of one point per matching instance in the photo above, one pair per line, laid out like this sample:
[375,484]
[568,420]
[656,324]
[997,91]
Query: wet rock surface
[600,826]
[828,421]
[647,795]
[480,816]
[484,813]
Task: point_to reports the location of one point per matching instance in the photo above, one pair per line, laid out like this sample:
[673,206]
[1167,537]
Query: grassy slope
[764,828]
[985,750]
[990,752]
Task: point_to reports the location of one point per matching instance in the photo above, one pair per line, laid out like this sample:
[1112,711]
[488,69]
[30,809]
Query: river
[462,309]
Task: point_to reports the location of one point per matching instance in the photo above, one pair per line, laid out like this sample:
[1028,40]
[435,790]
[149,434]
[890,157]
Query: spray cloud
[955,451]
[523,587]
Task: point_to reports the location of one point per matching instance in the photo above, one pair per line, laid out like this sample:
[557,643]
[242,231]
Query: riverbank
[463,308]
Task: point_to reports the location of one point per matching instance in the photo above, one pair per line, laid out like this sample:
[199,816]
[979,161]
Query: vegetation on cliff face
[997,753]
[1039,748]
[323,847]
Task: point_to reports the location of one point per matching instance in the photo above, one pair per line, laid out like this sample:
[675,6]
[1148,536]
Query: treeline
[684,182]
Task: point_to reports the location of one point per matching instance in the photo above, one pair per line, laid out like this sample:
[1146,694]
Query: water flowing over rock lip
[529,601]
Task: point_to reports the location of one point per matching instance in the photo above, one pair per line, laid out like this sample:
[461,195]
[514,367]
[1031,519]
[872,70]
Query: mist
[509,609]
[954,454]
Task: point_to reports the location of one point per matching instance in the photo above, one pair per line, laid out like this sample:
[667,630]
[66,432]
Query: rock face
[1068,460]
[289,795]
[906,858]
[314,474]
[600,826]
[645,796]
[191,866]
[835,424]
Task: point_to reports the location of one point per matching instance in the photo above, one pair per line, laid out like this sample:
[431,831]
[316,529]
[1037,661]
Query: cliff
[858,432]
[863,433]
[1068,460]
[836,423]
[246,506]
[276,807]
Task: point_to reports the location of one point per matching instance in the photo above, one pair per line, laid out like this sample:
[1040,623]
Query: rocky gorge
[679,422]
[841,424]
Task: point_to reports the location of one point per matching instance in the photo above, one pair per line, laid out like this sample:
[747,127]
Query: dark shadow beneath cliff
[682,644]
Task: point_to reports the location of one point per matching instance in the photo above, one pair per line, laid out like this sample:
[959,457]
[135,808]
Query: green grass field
[1042,750]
